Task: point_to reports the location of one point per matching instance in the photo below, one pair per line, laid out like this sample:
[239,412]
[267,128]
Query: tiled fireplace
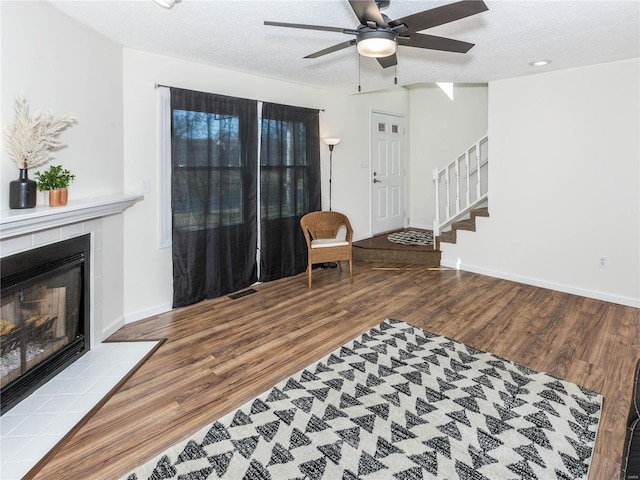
[52,289]
[35,425]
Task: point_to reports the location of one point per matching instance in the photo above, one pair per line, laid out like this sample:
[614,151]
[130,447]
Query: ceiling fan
[378,36]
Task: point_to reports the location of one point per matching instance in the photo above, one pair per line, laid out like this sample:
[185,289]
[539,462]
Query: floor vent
[244,293]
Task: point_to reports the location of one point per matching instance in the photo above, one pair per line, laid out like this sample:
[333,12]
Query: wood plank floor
[222,352]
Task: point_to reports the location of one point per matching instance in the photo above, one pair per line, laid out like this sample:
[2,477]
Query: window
[207,145]
[283,169]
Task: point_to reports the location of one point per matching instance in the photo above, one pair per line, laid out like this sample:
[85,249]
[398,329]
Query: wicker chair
[324,244]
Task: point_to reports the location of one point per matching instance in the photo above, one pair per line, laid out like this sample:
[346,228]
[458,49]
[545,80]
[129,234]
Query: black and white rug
[398,403]
[411,237]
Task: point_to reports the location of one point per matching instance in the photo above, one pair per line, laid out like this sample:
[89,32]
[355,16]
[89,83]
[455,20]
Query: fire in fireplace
[44,315]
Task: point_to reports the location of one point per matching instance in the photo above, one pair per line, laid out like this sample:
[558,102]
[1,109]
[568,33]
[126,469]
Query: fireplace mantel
[21,222]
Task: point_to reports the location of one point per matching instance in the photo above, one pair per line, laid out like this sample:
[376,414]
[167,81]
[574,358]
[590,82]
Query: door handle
[375,180]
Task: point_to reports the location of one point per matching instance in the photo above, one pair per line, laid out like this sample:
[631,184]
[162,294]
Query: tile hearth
[34,426]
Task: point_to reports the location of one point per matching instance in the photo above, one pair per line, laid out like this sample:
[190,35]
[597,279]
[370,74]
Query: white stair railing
[461,185]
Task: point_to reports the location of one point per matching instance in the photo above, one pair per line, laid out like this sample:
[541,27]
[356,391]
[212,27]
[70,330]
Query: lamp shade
[331,141]
[376,44]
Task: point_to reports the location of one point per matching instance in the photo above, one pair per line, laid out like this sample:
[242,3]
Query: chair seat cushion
[328,242]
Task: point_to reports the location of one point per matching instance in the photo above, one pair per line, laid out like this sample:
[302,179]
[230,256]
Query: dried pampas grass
[32,138]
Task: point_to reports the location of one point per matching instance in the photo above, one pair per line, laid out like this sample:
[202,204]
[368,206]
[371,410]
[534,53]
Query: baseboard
[146,313]
[606,297]
[357,238]
[421,227]
[111,329]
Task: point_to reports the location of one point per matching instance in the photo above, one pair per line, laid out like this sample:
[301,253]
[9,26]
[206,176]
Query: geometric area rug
[398,403]
[411,237]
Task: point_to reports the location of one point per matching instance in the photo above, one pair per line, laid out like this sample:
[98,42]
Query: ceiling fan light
[376,44]
[540,63]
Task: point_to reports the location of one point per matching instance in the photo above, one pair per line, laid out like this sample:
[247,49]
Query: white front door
[387,172]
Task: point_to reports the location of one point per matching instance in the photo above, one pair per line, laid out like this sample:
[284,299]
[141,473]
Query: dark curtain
[289,186]
[213,194]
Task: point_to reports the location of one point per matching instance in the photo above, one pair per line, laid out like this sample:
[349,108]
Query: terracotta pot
[58,198]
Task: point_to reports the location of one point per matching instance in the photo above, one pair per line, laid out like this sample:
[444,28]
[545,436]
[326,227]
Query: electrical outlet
[603,262]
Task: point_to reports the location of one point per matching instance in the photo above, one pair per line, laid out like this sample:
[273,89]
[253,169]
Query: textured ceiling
[231,34]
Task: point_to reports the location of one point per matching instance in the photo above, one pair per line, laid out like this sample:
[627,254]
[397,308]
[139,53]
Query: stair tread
[480,212]
[448,236]
[468,224]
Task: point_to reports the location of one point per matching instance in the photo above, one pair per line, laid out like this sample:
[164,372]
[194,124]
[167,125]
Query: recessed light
[167,3]
[540,63]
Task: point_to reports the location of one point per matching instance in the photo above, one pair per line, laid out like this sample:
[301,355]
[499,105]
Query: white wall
[441,130]
[564,177]
[349,118]
[65,67]
[148,271]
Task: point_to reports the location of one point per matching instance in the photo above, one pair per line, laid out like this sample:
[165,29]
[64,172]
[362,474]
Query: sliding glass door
[289,187]
[213,195]
[214,192]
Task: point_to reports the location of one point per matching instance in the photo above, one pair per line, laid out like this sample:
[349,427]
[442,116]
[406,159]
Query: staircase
[468,224]
[462,192]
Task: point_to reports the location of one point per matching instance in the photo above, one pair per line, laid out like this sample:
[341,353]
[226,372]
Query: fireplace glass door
[38,320]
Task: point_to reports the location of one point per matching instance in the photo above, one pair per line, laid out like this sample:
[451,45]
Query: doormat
[411,237]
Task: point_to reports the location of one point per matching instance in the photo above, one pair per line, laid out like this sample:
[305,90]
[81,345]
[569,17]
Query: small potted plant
[56,181]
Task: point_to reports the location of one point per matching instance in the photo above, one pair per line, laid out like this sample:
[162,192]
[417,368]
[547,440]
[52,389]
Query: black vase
[22,192]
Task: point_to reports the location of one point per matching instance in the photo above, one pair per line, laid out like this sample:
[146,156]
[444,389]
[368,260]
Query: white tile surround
[34,426]
[31,428]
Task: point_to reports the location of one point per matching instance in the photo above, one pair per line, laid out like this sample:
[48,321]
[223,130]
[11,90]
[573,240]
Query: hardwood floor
[222,352]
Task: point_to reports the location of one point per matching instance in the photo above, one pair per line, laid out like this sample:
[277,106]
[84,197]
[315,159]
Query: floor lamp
[331,142]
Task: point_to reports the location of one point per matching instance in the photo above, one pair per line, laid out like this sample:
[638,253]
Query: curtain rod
[157,85]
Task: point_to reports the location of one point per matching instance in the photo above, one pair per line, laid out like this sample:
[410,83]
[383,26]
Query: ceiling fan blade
[367,10]
[440,15]
[335,48]
[432,42]
[312,27]
[386,62]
